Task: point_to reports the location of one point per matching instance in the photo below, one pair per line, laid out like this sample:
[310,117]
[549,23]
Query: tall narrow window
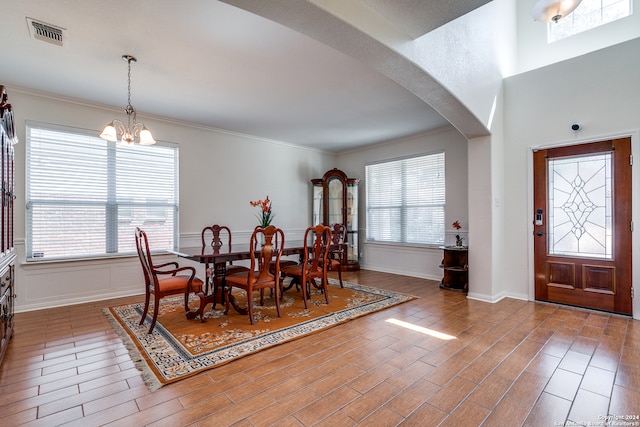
[589,14]
[86,196]
[406,200]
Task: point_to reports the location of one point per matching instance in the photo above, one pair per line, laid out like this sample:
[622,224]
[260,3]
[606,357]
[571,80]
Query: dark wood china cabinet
[7,253]
[335,200]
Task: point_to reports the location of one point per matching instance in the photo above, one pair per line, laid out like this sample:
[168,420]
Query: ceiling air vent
[46,32]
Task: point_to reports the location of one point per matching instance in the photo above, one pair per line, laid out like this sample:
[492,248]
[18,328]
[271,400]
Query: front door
[582,225]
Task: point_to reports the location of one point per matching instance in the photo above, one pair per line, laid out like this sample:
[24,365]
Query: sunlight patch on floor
[421,329]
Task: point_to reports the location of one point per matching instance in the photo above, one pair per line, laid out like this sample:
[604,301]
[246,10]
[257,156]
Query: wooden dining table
[218,258]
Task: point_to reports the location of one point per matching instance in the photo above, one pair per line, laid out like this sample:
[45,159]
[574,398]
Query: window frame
[106,155]
[577,21]
[405,206]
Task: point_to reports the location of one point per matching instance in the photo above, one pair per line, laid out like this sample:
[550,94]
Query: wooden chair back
[338,234]
[215,236]
[144,254]
[320,236]
[267,244]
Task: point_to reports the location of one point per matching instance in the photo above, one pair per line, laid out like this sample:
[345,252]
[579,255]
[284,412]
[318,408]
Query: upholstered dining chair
[337,251]
[216,236]
[171,282]
[258,277]
[312,267]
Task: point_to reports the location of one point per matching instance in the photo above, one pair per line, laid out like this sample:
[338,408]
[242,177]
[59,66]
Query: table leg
[219,293]
[208,278]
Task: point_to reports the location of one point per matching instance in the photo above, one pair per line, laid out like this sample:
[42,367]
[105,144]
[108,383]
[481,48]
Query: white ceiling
[210,63]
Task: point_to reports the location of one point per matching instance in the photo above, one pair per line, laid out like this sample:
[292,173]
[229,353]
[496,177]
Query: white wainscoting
[406,260]
[54,284]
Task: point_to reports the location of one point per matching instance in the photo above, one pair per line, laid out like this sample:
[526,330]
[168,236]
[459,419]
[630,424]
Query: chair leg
[203,304]
[146,308]
[304,283]
[340,276]
[227,299]
[186,302]
[325,290]
[276,289]
[156,309]
[325,285]
[250,305]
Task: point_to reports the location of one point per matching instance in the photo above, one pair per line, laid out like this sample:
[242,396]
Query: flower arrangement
[265,216]
[457,226]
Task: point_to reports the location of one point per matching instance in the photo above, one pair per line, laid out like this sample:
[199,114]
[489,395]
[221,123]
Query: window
[406,200]
[86,196]
[589,14]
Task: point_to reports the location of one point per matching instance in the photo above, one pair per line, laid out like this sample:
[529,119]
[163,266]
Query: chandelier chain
[129,83]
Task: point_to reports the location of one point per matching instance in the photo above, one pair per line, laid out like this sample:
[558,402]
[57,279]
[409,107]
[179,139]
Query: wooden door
[582,225]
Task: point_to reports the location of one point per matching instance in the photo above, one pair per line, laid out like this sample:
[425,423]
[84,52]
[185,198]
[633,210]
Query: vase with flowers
[457,226]
[266,215]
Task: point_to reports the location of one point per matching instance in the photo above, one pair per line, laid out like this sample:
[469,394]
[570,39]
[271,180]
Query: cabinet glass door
[352,223]
[317,205]
[335,202]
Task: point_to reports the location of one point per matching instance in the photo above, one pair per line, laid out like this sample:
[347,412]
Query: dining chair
[160,287]
[258,277]
[312,267]
[213,236]
[283,262]
[337,251]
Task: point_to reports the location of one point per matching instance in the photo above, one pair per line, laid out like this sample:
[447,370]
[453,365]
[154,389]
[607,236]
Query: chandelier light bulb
[109,133]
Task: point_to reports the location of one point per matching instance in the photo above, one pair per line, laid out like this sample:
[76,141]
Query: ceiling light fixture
[553,10]
[128,134]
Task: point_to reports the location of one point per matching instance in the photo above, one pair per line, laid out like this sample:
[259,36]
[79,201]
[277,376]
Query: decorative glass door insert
[580,202]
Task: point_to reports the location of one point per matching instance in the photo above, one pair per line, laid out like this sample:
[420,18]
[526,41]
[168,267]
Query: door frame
[635,207]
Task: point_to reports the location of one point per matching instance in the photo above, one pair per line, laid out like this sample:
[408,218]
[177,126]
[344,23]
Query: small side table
[456,268]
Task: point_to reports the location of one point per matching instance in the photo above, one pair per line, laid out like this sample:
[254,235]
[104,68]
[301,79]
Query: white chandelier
[133,129]
[553,10]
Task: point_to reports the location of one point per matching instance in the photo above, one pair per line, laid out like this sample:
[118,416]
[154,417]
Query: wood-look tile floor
[511,363]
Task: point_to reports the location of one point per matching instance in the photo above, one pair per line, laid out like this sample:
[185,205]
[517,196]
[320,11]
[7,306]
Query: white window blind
[85,196]
[406,200]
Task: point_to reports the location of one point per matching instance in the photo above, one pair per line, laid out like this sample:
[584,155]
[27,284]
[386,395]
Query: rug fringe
[150,380]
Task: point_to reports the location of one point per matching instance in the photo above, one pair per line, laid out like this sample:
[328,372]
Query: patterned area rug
[179,348]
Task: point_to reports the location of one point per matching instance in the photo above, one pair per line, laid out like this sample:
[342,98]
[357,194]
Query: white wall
[470,56]
[220,172]
[601,91]
[413,261]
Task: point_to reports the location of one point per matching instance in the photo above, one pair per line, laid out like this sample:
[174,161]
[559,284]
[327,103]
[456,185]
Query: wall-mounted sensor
[576,127]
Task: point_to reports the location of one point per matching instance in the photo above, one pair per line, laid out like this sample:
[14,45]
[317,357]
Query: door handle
[539,233]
